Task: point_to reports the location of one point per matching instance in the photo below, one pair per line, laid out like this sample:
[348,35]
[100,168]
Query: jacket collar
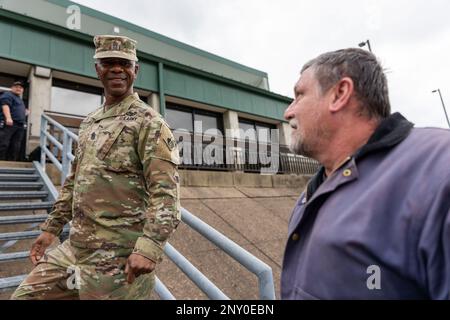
[117,109]
[389,133]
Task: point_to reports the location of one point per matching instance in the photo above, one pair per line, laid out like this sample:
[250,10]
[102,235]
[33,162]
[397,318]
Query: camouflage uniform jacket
[123,191]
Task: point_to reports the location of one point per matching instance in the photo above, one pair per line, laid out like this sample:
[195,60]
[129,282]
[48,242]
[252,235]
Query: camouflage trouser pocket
[99,285]
[52,278]
[67,272]
[103,277]
[46,282]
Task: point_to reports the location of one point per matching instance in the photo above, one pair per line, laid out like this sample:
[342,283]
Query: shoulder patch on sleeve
[167,146]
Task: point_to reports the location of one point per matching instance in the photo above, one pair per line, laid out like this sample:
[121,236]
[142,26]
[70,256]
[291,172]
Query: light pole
[362,44]
[443,105]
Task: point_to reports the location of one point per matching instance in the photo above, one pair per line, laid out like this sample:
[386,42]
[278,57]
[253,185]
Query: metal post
[65,158]
[43,141]
[162,98]
[443,105]
[362,44]
[368,45]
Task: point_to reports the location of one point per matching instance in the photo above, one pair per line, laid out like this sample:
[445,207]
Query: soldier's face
[117,75]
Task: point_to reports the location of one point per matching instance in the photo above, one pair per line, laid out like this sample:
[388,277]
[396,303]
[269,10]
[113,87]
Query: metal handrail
[60,127]
[65,146]
[209,288]
[250,262]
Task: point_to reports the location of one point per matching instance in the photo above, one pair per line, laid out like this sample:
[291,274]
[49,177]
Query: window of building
[71,98]
[179,119]
[256,131]
[190,119]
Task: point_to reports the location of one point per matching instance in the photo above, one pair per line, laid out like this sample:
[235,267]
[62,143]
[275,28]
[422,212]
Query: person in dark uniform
[12,121]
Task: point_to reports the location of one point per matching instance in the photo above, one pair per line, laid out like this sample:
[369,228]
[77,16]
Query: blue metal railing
[250,262]
[65,147]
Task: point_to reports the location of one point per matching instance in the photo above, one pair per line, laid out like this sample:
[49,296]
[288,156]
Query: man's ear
[136,71]
[97,70]
[341,94]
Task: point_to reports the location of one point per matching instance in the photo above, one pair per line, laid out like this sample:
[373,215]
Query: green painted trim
[162,98]
[195,88]
[33,25]
[52,28]
[211,76]
[249,92]
[27,21]
[108,18]
[281,120]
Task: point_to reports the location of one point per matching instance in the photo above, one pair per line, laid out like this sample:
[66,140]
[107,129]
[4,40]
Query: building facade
[49,44]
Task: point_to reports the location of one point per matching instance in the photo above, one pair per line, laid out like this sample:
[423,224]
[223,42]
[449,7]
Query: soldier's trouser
[67,272]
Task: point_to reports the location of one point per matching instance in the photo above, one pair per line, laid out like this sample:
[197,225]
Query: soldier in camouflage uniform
[122,196]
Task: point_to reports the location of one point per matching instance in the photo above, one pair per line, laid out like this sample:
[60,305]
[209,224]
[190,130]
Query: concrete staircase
[251,210]
[24,204]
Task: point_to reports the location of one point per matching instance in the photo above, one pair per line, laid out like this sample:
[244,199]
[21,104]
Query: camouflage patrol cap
[115,47]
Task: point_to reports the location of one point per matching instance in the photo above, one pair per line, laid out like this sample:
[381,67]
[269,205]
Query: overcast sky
[411,39]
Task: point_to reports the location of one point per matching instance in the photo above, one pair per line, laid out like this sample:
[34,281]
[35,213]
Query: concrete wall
[192,178]
[285,133]
[195,178]
[153,101]
[40,95]
[231,123]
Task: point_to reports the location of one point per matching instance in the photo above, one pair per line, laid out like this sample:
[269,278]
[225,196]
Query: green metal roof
[94,22]
[31,39]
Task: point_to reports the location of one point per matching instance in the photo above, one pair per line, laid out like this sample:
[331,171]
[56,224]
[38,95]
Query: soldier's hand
[39,246]
[137,265]
[9,122]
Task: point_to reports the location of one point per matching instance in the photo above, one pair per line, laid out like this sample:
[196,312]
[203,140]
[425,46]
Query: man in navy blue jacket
[374,222]
[12,121]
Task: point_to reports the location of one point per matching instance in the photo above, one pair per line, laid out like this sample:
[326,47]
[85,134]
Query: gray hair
[370,83]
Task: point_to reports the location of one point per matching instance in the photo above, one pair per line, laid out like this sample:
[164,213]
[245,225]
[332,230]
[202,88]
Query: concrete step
[25,235]
[15,164]
[25,206]
[19,235]
[13,195]
[23,219]
[18,177]
[10,186]
[14,256]
[11,282]
[4,170]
